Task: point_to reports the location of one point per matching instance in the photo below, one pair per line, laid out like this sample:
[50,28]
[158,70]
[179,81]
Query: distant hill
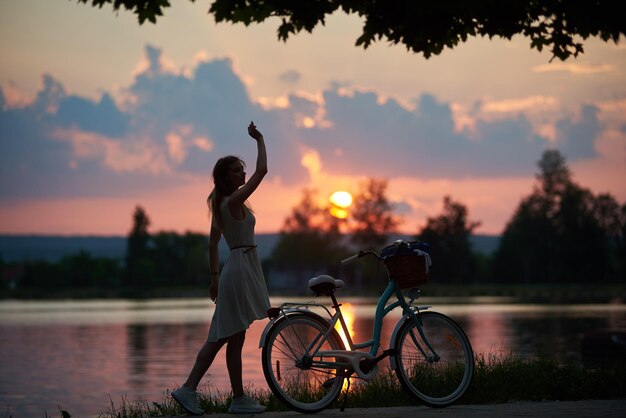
[485,244]
[53,248]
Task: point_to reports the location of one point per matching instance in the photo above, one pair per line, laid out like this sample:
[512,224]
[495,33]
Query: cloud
[573,68]
[102,117]
[290,77]
[576,137]
[388,139]
[12,97]
[172,125]
[155,63]
[134,156]
[519,105]
[311,161]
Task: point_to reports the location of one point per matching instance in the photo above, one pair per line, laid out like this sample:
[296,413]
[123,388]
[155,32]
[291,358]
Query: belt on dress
[249,247]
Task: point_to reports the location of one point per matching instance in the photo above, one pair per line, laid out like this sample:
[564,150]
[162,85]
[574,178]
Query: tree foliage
[310,240]
[75,271]
[424,27]
[373,219]
[449,238]
[562,232]
[139,269]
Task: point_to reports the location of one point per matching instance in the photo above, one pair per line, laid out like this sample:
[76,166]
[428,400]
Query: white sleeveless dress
[242,294]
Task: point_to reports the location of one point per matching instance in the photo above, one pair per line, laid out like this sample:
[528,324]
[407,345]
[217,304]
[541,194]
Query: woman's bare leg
[233,362]
[204,359]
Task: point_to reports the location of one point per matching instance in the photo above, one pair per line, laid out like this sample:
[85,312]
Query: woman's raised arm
[240,195]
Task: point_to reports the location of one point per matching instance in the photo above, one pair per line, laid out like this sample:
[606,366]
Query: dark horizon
[23,247]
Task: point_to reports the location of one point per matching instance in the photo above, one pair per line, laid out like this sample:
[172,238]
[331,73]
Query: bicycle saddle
[324,284]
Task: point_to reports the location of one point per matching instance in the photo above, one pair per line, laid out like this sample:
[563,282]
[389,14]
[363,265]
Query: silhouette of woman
[239,291]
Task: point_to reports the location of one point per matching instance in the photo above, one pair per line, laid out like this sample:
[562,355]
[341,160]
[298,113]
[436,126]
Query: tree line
[153,264]
[559,233]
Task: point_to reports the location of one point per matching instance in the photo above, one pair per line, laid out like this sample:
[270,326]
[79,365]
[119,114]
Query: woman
[239,291]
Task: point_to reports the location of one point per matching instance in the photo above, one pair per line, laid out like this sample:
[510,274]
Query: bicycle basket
[407,263]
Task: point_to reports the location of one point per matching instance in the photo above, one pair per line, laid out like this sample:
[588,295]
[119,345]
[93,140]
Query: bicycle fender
[283,317]
[392,340]
[394,335]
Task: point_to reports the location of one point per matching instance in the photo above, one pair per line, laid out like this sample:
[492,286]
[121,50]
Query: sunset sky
[99,114]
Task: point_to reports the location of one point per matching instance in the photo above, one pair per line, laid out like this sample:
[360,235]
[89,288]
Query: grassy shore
[496,380]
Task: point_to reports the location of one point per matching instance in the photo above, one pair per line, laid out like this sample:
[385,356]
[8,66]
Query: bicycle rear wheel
[440,374]
[294,375]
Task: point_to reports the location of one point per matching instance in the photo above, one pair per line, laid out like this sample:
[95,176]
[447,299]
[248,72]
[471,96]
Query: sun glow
[348,315]
[340,201]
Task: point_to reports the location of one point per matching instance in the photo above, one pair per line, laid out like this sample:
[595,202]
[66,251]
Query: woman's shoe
[188,399]
[245,405]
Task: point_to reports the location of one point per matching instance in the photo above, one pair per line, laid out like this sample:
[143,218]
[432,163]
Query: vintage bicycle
[306,362]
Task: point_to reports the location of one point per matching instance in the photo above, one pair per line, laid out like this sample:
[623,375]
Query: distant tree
[85,271]
[561,232]
[425,27]
[554,176]
[449,238]
[196,261]
[44,274]
[179,259]
[372,216]
[167,254]
[139,235]
[307,216]
[611,218]
[620,246]
[140,268]
[309,240]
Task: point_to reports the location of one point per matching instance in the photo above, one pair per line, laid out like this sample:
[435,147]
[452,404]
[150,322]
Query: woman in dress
[239,291]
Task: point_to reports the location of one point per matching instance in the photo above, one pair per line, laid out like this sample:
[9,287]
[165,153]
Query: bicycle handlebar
[374,253]
[349,259]
[359,255]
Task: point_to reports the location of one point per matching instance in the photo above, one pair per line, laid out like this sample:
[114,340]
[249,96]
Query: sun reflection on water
[348,315]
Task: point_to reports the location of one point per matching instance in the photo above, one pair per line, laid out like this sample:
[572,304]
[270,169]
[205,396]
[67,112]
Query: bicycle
[305,361]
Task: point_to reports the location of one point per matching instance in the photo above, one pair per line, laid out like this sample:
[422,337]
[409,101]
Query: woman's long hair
[221,187]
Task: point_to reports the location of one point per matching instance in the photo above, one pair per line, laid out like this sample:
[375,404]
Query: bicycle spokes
[295,372]
[434,360]
[453,341]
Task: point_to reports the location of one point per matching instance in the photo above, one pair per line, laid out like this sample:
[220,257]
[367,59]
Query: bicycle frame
[382,310]
[304,346]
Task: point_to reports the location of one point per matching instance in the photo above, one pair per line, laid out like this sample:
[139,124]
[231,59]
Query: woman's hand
[213,289]
[254,132]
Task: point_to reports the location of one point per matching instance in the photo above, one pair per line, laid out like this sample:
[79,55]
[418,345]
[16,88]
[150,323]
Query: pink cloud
[126,155]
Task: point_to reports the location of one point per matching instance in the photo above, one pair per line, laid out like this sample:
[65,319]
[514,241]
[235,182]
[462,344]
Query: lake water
[79,355]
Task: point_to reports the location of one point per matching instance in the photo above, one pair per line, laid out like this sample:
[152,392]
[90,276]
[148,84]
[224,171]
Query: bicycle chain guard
[355,358]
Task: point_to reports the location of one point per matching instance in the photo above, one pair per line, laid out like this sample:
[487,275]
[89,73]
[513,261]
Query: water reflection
[65,354]
[138,355]
[487,332]
[347,310]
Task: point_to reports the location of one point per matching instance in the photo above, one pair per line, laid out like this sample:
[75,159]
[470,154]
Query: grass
[496,380]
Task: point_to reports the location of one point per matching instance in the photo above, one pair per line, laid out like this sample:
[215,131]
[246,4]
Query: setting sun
[340,202]
[341,199]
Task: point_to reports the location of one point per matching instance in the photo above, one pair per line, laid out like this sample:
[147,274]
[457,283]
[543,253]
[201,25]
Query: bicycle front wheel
[437,364]
[302,380]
